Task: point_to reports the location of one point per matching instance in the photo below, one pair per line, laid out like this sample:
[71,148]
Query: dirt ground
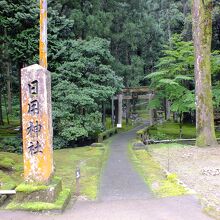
[198,168]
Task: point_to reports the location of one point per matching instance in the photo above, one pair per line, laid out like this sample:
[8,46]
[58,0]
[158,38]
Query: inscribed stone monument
[37,124]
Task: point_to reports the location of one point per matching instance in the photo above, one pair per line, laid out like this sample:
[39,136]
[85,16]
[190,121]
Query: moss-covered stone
[60,203]
[43,193]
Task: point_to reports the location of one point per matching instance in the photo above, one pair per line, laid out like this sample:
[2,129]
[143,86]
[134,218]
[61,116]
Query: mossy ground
[154,176]
[171,130]
[89,159]
[11,168]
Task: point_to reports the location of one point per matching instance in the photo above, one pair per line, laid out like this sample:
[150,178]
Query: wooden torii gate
[140,93]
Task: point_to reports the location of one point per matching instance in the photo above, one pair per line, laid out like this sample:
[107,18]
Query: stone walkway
[123,196]
[119,180]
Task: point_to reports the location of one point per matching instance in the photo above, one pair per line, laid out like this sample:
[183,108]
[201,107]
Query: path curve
[119,180]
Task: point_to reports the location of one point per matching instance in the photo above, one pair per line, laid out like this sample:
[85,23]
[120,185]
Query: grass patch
[153,175]
[40,206]
[89,159]
[13,163]
[170,130]
[6,163]
[170,145]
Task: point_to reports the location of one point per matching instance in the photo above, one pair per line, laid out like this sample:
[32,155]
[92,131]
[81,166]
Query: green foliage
[81,83]
[11,144]
[175,73]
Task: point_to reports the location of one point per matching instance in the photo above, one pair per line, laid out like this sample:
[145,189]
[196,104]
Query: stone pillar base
[32,197]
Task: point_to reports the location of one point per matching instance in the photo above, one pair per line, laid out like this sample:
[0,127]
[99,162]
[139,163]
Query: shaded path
[120,180]
[123,196]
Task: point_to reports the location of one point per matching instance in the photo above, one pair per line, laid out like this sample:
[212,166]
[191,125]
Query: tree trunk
[181,124]
[167,109]
[9,87]
[113,110]
[1,114]
[202,35]
[116,110]
[103,116]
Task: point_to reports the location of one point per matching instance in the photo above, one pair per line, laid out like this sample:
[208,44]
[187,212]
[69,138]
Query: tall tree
[202,35]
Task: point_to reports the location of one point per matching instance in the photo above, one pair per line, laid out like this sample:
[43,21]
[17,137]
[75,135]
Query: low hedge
[106,134]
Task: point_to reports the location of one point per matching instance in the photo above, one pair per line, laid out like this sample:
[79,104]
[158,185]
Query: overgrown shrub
[11,144]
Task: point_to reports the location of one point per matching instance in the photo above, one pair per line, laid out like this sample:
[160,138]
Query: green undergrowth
[152,173]
[170,130]
[40,206]
[11,169]
[89,159]
[143,113]
[8,130]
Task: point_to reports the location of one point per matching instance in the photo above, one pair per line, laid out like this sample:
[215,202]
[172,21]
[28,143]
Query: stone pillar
[127,111]
[113,115]
[168,114]
[37,124]
[120,97]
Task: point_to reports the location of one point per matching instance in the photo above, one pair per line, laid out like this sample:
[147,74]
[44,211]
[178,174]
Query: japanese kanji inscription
[37,124]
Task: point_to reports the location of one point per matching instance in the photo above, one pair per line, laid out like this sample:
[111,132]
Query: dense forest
[97,47]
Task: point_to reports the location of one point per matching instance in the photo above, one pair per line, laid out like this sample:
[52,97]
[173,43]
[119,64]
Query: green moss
[153,175]
[6,163]
[6,181]
[171,130]
[168,188]
[29,188]
[89,187]
[40,206]
[90,160]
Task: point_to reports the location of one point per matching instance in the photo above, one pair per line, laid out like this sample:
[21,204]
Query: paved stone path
[123,196]
[119,180]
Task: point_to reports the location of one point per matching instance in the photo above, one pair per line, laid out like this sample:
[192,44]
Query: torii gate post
[43,34]
[120,110]
[37,113]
